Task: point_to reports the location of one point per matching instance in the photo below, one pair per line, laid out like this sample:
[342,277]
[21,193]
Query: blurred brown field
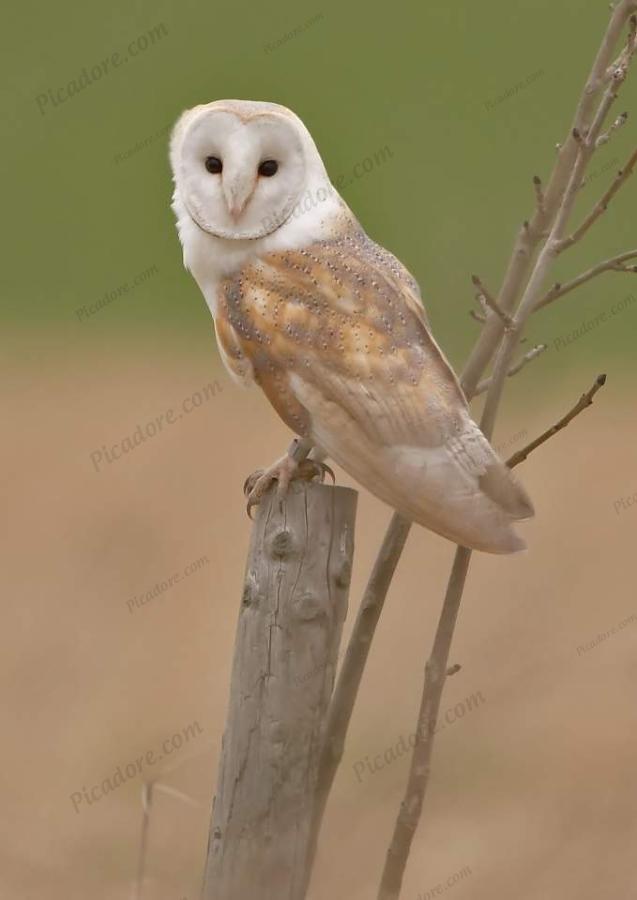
[533,790]
[122,576]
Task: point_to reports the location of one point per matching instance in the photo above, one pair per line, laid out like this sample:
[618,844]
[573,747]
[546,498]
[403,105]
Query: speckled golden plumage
[344,316]
[336,336]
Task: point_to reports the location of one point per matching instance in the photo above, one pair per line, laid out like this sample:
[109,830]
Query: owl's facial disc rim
[234,235]
[267,224]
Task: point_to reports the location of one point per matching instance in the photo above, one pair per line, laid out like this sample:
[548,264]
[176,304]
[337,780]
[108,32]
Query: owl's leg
[295,464]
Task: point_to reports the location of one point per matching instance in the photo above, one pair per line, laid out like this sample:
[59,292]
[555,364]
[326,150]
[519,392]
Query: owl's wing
[337,338]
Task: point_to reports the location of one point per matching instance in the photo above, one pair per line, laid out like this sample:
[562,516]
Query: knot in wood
[278,732]
[282,544]
[250,594]
[307,606]
[343,574]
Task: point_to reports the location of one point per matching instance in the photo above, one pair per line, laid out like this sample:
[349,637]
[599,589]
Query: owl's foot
[283,471]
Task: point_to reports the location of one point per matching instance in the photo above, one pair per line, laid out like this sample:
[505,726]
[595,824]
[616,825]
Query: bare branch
[178,795]
[617,71]
[418,778]
[583,403]
[521,263]
[606,136]
[554,244]
[147,805]
[632,34]
[436,672]
[528,239]
[614,264]
[528,357]
[147,796]
[567,176]
[486,299]
[601,206]
[539,193]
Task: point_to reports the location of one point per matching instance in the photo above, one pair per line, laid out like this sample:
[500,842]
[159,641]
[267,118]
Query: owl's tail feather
[462,491]
[478,520]
[458,488]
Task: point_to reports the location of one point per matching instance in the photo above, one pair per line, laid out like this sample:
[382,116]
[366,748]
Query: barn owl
[330,326]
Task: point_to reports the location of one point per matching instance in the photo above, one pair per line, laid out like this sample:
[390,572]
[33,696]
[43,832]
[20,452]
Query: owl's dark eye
[268,168]
[213,165]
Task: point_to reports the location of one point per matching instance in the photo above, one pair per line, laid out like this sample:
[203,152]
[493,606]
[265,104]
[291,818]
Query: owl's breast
[265,335]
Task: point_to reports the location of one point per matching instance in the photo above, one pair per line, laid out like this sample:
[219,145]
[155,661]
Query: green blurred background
[423,80]
[457,105]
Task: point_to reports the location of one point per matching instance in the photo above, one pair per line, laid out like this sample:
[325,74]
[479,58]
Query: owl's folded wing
[434,468]
[339,343]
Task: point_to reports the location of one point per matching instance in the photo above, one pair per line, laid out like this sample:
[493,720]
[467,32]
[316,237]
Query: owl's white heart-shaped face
[239,173]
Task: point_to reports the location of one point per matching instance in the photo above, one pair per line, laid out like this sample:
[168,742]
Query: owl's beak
[237,192]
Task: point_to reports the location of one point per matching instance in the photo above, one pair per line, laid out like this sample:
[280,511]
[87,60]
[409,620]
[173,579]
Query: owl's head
[240,167]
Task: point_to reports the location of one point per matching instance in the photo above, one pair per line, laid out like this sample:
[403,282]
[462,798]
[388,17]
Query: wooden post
[288,635]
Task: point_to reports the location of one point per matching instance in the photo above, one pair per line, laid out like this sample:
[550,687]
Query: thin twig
[553,245]
[618,69]
[619,122]
[583,403]
[149,788]
[147,804]
[435,675]
[614,264]
[178,795]
[436,672]
[528,238]
[187,757]
[601,206]
[528,357]
[539,193]
[489,301]
[521,260]
[411,806]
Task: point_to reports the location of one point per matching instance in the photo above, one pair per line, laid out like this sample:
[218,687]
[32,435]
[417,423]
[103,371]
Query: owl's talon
[283,471]
[315,470]
[260,481]
[251,480]
[328,471]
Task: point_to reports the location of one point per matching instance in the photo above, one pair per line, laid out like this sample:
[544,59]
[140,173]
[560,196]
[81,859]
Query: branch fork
[488,302]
